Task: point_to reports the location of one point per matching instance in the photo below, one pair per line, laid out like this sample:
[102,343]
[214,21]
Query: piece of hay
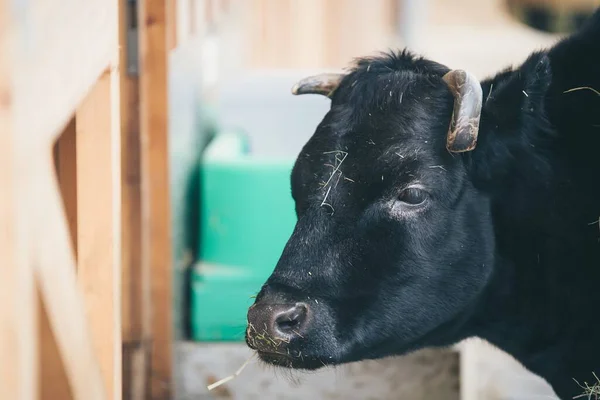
[591,392]
[230,377]
[575,89]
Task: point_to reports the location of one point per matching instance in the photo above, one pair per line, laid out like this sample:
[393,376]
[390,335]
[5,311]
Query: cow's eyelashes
[413,196]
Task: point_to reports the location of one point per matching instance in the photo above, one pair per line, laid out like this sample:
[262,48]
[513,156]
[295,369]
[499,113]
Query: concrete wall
[428,374]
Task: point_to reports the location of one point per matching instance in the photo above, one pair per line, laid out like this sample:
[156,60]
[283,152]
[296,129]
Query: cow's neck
[550,328]
[541,305]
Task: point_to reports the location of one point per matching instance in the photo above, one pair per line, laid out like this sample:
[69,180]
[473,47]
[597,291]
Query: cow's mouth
[291,361]
[284,355]
[277,359]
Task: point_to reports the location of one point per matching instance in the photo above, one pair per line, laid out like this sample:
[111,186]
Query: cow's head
[394,242]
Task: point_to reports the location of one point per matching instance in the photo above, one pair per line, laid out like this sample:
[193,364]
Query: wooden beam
[54,383]
[18,352]
[172,37]
[313,33]
[18,308]
[55,272]
[136,359]
[99,226]
[156,215]
[135,284]
[66,172]
[345,43]
[83,33]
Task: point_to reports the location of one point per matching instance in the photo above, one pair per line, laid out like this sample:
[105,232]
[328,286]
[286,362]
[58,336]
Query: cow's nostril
[272,326]
[290,321]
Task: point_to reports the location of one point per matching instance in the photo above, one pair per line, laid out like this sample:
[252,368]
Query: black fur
[507,244]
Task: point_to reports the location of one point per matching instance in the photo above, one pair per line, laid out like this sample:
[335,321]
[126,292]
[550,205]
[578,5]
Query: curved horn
[468,95]
[324,84]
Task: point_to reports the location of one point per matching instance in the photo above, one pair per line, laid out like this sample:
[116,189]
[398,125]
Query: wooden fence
[79,281]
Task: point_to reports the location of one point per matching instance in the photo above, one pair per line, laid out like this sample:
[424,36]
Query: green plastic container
[246,217]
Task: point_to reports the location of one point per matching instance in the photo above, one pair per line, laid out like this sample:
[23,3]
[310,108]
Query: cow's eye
[413,196]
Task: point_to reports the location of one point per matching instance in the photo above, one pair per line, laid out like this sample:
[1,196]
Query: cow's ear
[516,98]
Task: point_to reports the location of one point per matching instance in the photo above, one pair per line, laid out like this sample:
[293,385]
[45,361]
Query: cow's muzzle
[272,326]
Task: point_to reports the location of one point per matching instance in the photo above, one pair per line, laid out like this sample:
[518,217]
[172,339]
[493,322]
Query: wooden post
[66,172]
[131,197]
[98,219]
[18,352]
[156,220]
[135,285]
[70,245]
[53,378]
[54,383]
[172,39]
[313,33]
[56,276]
[38,228]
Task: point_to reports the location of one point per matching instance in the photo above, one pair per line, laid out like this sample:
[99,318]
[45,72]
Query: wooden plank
[66,171]
[83,33]
[55,272]
[126,116]
[44,243]
[314,33]
[276,31]
[18,352]
[9,349]
[135,290]
[307,32]
[54,383]
[172,20]
[136,357]
[155,189]
[344,42]
[135,284]
[10,353]
[18,344]
[80,33]
[98,219]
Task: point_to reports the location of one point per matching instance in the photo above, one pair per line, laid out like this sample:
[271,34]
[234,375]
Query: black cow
[433,207]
